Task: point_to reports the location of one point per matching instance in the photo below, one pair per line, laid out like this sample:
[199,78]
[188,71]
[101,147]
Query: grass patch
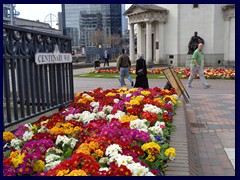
[113,76]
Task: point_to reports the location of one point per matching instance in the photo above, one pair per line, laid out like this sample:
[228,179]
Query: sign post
[176,83]
[53,58]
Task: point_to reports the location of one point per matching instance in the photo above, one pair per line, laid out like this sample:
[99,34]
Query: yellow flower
[150,158]
[77,128]
[173,99]
[159,101]
[126,118]
[133,89]
[63,172]
[99,152]
[56,130]
[171,153]
[111,94]
[146,146]
[77,173]
[145,93]
[134,102]
[34,128]
[8,136]
[93,145]
[17,158]
[38,166]
[166,91]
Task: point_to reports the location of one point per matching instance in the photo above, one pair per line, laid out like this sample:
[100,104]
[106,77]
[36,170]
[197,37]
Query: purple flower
[9,171]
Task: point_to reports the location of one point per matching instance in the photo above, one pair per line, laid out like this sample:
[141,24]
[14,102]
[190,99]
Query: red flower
[152,117]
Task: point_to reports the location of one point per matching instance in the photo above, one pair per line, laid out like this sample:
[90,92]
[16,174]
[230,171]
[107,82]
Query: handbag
[140,72]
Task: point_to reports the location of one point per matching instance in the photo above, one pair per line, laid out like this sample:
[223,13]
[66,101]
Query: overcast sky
[40,11]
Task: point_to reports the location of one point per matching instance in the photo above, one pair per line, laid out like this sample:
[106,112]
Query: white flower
[123,160]
[95,106]
[113,149]
[149,174]
[129,95]
[159,124]
[104,169]
[27,135]
[59,139]
[66,141]
[119,114]
[52,158]
[152,109]
[69,117]
[52,165]
[43,129]
[116,101]
[137,169]
[104,160]
[156,130]
[139,124]
[29,126]
[73,142]
[15,143]
[77,115]
[107,109]
[109,117]
[101,114]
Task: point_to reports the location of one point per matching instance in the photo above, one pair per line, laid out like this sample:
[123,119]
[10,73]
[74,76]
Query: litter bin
[96,63]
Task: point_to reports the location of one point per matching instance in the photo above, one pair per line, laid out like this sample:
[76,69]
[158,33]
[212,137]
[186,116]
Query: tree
[115,40]
[97,37]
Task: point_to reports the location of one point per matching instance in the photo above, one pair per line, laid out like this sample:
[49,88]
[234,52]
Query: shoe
[207,86]
[132,83]
[189,86]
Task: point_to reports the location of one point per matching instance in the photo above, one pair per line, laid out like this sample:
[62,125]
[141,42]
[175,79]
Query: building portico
[163,32]
[150,20]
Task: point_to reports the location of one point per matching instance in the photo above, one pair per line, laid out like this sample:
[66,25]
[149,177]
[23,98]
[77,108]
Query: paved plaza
[211,113]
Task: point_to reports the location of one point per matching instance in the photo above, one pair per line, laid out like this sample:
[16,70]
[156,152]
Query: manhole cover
[198,125]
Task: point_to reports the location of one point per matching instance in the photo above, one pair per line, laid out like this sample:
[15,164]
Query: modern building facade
[164,31]
[86,19]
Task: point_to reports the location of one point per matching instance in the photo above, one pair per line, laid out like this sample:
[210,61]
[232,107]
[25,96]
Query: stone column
[157,43]
[161,40]
[149,43]
[226,40]
[139,38]
[131,43]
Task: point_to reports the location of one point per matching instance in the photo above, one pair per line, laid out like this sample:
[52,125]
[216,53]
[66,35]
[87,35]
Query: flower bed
[210,73]
[116,132]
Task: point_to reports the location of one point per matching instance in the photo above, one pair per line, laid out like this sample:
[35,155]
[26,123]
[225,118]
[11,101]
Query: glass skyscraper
[81,21]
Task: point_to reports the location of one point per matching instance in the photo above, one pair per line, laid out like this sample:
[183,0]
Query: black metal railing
[30,90]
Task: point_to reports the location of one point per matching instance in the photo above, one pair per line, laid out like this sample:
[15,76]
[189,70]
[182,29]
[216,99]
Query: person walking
[106,58]
[195,67]
[141,72]
[123,66]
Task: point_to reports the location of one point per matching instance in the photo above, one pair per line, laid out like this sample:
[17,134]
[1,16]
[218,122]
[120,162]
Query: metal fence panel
[30,90]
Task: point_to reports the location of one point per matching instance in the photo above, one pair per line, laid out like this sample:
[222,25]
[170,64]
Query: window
[195,5]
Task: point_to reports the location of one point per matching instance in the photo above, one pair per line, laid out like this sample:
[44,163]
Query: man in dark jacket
[106,58]
[123,66]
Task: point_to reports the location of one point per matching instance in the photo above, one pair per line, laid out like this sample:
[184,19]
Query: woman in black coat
[141,72]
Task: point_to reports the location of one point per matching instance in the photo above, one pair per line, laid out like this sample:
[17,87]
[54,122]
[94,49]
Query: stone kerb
[184,163]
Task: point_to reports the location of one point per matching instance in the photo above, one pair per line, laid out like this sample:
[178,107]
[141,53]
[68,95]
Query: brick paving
[211,113]
[216,113]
